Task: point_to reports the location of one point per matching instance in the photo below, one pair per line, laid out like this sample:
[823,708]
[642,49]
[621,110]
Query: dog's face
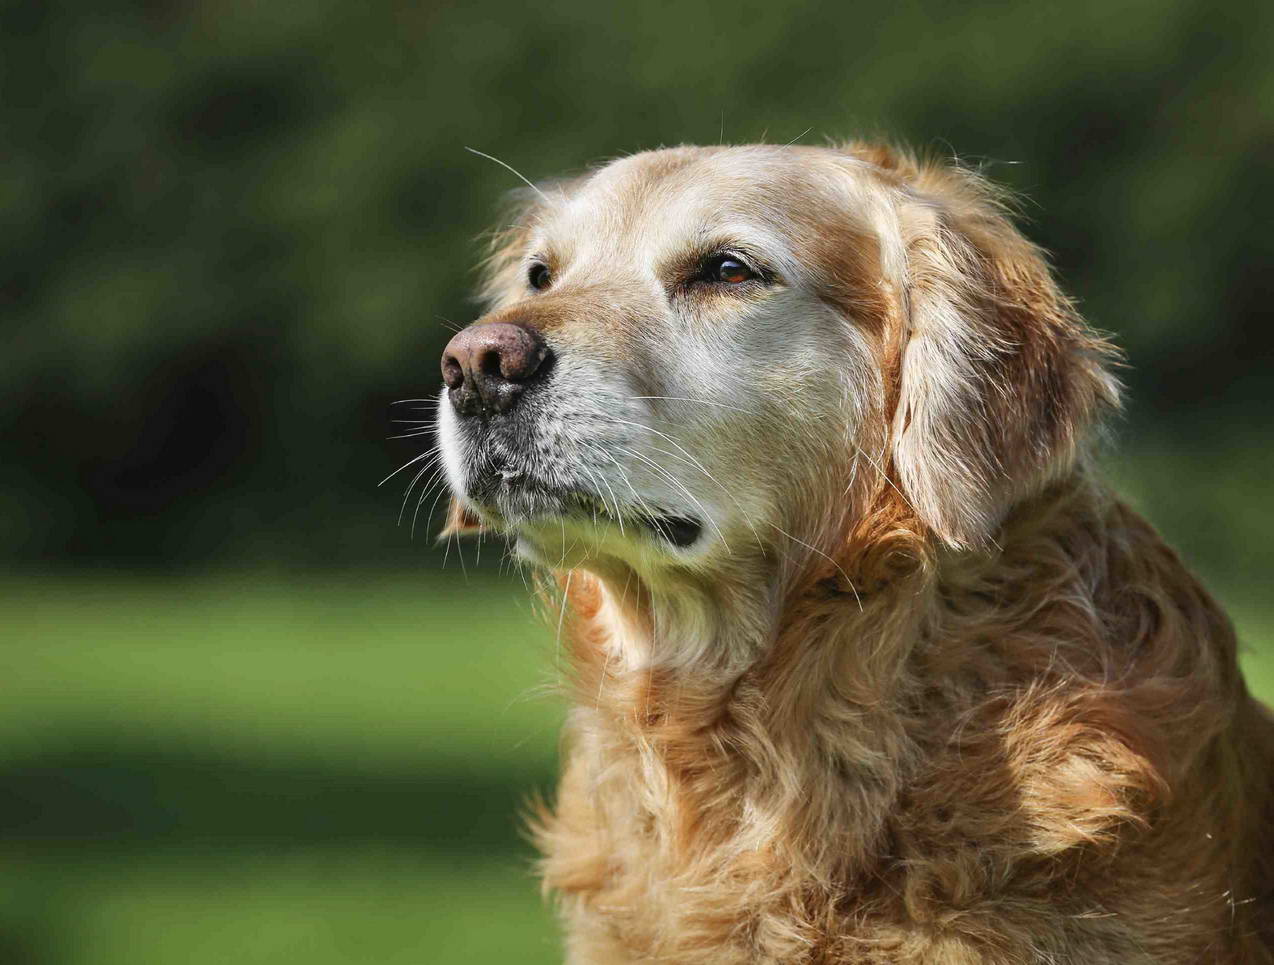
[692,353]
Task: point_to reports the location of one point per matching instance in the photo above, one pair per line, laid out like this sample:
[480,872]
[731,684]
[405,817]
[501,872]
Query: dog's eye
[539,276]
[728,271]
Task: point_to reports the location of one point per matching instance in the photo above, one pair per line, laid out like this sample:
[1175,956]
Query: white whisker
[424,493]
[414,433]
[424,490]
[663,435]
[624,477]
[815,549]
[410,462]
[511,170]
[561,618]
[883,475]
[679,485]
[675,398]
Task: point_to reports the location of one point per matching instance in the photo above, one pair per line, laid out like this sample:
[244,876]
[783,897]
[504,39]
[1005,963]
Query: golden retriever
[869,666]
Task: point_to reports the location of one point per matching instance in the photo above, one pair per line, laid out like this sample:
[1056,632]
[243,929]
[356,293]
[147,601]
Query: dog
[867,663]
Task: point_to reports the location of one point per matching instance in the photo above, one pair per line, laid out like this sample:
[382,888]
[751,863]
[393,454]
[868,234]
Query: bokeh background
[249,717]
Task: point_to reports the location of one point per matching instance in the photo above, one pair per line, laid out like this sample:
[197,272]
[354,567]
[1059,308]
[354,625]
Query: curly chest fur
[1002,799]
[1001,866]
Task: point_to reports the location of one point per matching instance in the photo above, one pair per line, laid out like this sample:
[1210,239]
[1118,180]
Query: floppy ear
[1000,378]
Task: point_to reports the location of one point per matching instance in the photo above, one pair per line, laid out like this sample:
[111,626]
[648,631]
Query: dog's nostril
[491,363]
[452,373]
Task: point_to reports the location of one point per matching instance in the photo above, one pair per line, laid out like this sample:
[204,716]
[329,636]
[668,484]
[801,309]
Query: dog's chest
[737,916]
[646,875]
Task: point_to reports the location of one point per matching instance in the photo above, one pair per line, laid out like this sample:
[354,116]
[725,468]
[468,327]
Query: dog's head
[701,353]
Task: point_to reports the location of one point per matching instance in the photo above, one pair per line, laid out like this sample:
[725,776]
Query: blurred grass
[265,769]
[261,768]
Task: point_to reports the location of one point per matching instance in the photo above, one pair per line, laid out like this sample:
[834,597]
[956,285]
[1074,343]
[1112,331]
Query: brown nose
[487,366]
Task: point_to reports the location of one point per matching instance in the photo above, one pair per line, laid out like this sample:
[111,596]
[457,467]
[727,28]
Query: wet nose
[486,367]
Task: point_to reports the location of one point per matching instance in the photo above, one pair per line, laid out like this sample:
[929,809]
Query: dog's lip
[550,502]
[679,531]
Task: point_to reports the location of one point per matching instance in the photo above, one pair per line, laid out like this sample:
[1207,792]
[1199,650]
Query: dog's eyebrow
[681,267]
[760,254]
[541,249]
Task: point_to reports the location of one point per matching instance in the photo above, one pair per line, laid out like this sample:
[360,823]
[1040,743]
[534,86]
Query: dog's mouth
[679,531]
[514,500]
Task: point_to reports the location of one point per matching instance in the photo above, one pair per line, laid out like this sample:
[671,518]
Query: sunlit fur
[924,691]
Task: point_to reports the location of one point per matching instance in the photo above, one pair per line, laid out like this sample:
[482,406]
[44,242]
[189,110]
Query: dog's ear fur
[1000,378]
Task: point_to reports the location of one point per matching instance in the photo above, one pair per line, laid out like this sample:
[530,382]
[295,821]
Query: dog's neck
[713,690]
[724,701]
[711,628]
[736,677]
[698,629]
[859,614]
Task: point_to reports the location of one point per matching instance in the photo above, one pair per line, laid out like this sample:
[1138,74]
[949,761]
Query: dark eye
[728,271]
[539,276]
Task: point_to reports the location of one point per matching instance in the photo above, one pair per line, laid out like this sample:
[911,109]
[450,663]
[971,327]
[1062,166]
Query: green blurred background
[246,716]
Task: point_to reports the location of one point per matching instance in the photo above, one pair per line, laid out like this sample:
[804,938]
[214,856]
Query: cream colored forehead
[649,206]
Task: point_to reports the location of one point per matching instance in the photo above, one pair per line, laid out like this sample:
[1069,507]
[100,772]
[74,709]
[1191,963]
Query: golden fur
[983,715]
